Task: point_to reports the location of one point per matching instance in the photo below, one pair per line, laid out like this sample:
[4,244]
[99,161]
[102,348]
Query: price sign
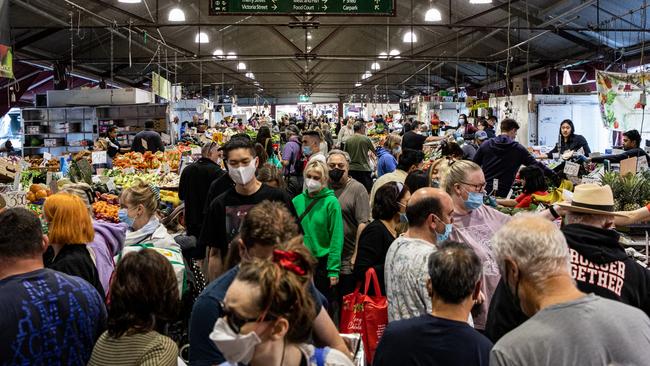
[99,157]
[47,156]
[15,199]
[196,151]
[111,184]
[571,169]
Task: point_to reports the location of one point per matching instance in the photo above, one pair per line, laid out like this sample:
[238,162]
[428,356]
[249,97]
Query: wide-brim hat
[592,199]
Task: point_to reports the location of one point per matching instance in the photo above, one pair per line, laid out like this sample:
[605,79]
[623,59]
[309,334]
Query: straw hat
[592,199]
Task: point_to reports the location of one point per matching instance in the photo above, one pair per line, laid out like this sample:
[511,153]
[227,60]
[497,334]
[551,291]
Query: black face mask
[336,175]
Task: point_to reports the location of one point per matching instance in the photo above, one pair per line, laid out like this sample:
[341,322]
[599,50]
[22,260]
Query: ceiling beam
[35,37]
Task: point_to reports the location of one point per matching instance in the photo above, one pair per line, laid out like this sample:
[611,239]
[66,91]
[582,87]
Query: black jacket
[598,264]
[193,189]
[75,260]
[500,158]
[622,156]
[575,143]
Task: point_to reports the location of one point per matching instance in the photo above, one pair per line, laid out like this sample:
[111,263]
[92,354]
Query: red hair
[69,220]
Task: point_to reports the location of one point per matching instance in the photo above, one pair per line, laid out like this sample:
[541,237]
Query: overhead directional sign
[324,7]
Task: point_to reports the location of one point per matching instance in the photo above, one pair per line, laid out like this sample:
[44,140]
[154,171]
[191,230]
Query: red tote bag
[367,315]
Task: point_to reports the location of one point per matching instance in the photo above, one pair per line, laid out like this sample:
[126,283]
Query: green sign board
[303,98]
[323,7]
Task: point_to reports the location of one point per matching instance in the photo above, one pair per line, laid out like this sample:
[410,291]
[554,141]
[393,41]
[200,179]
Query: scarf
[143,234]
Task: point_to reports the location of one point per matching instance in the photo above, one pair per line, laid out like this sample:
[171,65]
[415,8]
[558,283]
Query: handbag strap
[309,207]
[371,274]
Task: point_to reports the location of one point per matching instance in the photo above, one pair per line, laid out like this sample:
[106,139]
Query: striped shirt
[149,348]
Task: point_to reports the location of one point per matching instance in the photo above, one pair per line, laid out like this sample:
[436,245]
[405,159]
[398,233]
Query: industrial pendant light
[176,15]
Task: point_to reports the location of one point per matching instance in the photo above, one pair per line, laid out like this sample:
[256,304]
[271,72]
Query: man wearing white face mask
[322,222]
[223,218]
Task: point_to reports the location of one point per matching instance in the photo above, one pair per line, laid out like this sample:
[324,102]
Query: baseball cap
[481,135]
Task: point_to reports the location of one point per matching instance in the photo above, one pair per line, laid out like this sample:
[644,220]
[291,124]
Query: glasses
[236,322]
[477,187]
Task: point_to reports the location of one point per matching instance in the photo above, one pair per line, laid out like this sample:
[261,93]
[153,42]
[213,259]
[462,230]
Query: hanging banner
[6,55]
[6,62]
[620,104]
[160,86]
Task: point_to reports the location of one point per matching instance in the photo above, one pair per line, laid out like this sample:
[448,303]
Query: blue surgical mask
[397,150]
[444,236]
[306,150]
[123,215]
[403,219]
[474,200]
[435,183]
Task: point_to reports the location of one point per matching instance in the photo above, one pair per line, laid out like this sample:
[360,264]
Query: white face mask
[234,347]
[243,174]
[313,185]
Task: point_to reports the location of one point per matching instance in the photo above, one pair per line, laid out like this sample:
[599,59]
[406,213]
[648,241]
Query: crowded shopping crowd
[348,243]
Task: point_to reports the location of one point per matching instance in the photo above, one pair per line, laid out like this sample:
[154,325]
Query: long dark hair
[534,177]
[264,139]
[573,131]
[144,294]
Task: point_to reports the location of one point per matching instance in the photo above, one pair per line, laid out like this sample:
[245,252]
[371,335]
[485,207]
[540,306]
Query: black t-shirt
[48,318]
[217,187]
[374,241]
[193,189]
[431,341]
[226,213]
[413,141]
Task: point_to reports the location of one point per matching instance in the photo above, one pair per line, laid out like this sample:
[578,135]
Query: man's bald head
[427,201]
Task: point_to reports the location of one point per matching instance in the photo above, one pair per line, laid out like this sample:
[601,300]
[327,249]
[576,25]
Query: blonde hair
[457,173]
[141,193]
[392,140]
[82,190]
[69,220]
[317,166]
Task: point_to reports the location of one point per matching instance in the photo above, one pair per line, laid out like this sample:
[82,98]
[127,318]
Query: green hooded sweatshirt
[323,227]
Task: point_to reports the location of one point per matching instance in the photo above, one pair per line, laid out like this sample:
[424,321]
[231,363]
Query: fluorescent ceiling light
[250,75]
[218,53]
[357,85]
[241,66]
[410,37]
[366,75]
[231,56]
[176,15]
[375,66]
[480,1]
[308,35]
[201,37]
[432,15]
[383,55]
[394,53]
[129,1]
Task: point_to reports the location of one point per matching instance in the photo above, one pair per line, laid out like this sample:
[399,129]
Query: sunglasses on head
[236,322]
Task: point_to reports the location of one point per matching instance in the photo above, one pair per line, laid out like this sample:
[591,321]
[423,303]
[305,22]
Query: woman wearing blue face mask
[475,224]
[138,205]
[388,212]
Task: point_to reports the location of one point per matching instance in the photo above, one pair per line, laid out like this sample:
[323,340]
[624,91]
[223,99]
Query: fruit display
[126,180]
[170,179]
[148,160]
[631,191]
[106,207]
[170,197]
[38,193]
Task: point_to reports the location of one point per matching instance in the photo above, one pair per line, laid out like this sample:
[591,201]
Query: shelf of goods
[130,119]
[57,130]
